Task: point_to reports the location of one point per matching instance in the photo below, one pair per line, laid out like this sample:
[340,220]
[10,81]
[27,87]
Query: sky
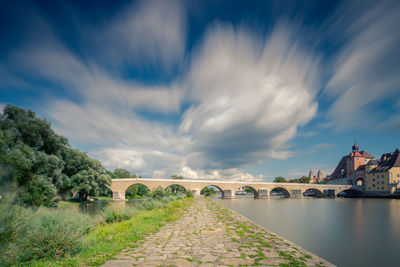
[240,90]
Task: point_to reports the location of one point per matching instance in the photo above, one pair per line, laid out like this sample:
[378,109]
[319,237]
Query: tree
[207,191]
[121,173]
[279,179]
[136,191]
[177,177]
[87,175]
[40,164]
[303,180]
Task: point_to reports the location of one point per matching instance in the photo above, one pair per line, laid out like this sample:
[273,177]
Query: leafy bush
[27,234]
[158,193]
[113,214]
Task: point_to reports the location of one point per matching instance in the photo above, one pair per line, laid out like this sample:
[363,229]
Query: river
[344,231]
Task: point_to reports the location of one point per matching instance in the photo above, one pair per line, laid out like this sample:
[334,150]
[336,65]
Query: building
[384,176]
[315,179]
[351,169]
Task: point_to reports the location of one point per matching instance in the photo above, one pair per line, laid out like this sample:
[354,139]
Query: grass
[107,240]
[66,237]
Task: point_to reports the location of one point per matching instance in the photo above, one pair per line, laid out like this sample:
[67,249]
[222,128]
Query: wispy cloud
[246,94]
[250,96]
[240,96]
[366,72]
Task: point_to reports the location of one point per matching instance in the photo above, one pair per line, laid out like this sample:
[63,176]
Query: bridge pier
[117,195]
[228,194]
[195,192]
[329,193]
[296,194]
[262,193]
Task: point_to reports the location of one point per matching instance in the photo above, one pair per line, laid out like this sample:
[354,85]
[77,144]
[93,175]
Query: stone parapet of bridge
[228,188]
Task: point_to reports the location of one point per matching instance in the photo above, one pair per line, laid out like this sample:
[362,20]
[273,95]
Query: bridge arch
[312,192]
[120,185]
[253,190]
[279,191]
[136,189]
[176,188]
[212,186]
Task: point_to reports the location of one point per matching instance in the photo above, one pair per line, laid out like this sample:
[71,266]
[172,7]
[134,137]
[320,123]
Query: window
[373,179]
[377,183]
[373,185]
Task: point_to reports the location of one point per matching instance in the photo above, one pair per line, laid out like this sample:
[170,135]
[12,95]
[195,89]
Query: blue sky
[240,90]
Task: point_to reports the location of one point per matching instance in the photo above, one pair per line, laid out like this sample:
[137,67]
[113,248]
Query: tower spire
[355,148]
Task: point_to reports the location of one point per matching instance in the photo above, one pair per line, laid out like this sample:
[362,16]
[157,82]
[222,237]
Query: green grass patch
[108,240]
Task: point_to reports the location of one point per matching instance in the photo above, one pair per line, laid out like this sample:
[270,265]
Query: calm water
[346,232]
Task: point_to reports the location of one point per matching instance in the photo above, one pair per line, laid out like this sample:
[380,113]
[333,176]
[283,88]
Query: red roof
[358,154]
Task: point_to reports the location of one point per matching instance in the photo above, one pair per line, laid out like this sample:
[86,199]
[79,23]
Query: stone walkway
[212,235]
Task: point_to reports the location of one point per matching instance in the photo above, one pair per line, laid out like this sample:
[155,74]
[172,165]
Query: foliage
[303,180]
[279,179]
[27,234]
[120,173]
[207,191]
[39,164]
[176,189]
[107,240]
[176,176]
[248,189]
[136,191]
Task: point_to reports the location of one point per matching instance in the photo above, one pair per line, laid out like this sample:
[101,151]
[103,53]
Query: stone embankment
[212,235]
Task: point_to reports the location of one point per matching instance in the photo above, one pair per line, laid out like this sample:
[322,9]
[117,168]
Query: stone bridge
[228,188]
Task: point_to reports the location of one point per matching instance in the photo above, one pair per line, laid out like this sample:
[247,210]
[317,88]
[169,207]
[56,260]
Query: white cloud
[218,174]
[2,106]
[250,96]
[366,70]
[246,96]
[148,163]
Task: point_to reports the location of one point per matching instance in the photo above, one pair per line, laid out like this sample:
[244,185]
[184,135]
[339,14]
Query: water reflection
[347,232]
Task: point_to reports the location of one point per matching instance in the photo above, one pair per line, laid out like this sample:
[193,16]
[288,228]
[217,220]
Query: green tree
[40,164]
[121,173]
[279,179]
[177,177]
[207,191]
[87,176]
[136,191]
[303,180]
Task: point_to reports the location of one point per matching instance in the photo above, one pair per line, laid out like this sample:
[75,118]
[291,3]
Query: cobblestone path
[212,235]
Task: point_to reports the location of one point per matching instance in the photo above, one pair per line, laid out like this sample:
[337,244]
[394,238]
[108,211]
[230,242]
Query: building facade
[352,168]
[315,179]
[384,177]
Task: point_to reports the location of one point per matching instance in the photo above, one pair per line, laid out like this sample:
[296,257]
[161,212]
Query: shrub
[113,214]
[26,234]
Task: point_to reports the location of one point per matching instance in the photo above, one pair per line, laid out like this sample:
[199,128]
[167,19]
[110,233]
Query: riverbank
[94,246]
[211,235]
